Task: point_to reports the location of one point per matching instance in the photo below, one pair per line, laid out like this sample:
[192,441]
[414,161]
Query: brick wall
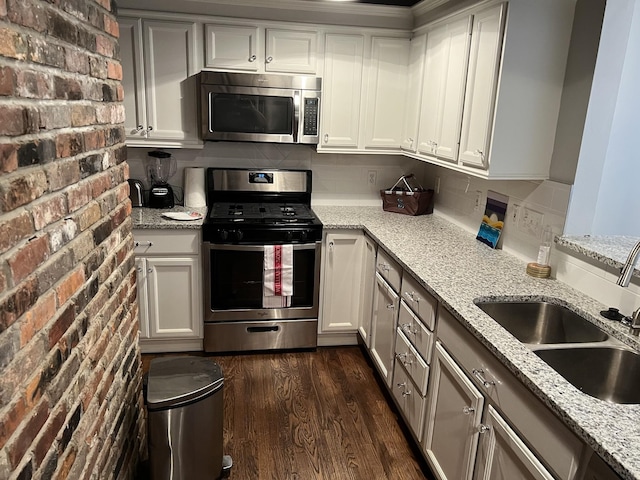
[70,370]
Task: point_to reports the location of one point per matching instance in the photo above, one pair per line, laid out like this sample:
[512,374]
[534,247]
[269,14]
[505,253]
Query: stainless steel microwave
[245,107]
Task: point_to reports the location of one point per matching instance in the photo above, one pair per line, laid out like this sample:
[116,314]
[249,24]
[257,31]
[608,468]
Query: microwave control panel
[310,122]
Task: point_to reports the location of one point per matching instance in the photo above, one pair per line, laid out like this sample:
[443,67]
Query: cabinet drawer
[558,447]
[409,400]
[161,242]
[420,301]
[411,360]
[389,269]
[418,334]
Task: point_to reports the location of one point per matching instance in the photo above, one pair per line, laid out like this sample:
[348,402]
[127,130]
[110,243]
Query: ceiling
[398,3]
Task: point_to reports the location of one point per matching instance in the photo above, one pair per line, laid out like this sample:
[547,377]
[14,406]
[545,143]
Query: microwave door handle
[297,107]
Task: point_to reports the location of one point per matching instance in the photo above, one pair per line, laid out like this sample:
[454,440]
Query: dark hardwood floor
[311,415]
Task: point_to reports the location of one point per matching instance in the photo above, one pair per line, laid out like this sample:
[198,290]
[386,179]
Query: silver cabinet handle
[483,428]
[383,266]
[401,385]
[479,374]
[406,393]
[149,270]
[480,153]
[139,128]
[391,306]
[252,58]
[149,128]
[468,410]
[143,244]
[140,270]
[269,59]
[331,246]
[326,137]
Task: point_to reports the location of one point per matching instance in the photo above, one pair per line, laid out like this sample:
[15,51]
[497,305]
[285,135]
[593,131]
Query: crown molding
[307,11]
[426,6]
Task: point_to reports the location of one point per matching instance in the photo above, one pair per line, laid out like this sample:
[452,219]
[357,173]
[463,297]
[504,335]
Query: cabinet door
[368,285]
[143,296]
[482,82]
[453,415]
[135,123]
[414,94]
[341,88]
[342,277]
[386,92]
[443,91]
[291,51]
[385,311]
[170,59]
[232,47]
[174,297]
[502,455]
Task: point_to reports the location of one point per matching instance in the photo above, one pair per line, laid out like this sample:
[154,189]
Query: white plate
[182,215]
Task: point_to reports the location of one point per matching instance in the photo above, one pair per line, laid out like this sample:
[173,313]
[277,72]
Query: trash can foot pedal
[227,463]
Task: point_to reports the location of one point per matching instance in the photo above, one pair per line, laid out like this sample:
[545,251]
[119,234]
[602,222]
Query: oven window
[236,279]
[233,113]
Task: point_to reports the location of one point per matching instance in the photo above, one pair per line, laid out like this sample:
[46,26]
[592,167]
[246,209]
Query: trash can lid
[174,381]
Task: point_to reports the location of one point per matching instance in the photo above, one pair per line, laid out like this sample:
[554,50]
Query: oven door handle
[256,248]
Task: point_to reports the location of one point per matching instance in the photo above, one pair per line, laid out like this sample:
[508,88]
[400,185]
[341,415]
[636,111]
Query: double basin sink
[586,356]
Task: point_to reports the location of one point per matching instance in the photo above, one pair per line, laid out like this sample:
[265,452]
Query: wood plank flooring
[312,415]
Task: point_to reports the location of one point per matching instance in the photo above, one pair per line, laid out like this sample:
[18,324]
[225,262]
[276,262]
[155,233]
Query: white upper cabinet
[443,95]
[414,93]
[232,47]
[158,62]
[291,51]
[257,49]
[386,92]
[482,81]
[341,91]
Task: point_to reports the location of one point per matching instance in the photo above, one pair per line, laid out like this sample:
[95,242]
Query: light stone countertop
[151,218]
[611,250]
[457,269]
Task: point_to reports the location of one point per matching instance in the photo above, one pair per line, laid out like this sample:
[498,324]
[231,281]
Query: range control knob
[239,235]
[223,234]
[303,236]
[288,235]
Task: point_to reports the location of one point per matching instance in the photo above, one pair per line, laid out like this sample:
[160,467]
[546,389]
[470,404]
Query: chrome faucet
[625,277]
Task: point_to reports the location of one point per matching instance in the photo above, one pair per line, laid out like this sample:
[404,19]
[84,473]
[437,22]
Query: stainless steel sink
[542,322]
[607,373]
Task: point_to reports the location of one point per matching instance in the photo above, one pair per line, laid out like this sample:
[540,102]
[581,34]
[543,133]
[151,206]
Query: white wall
[604,192]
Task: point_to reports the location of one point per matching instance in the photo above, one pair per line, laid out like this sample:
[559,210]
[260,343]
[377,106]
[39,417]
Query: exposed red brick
[9,422]
[69,144]
[8,157]
[14,228]
[54,116]
[104,45]
[83,115]
[70,285]
[33,85]
[22,189]
[105,4]
[3,13]
[76,61]
[78,195]
[14,305]
[119,93]
[114,70]
[28,433]
[94,140]
[12,44]
[12,120]
[37,317]
[51,430]
[4,283]
[28,14]
[61,325]
[24,262]
[99,185]
[7,81]
[50,210]
[67,463]
[61,174]
[111,26]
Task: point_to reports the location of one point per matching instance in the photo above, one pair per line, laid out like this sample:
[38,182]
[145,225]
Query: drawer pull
[143,244]
[383,266]
[479,374]
[391,306]
[483,428]
[401,385]
[406,393]
[468,410]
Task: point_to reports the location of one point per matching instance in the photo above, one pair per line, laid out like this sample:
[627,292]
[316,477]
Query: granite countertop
[457,269]
[151,218]
[611,250]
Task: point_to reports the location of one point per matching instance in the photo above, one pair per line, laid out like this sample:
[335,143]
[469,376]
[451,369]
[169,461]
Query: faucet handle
[634,322]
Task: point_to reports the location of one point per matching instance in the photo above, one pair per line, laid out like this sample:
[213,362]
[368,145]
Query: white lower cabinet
[169,290]
[408,398]
[502,455]
[453,416]
[385,314]
[368,286]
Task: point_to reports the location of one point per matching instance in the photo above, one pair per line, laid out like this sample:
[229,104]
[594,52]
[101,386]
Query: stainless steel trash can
[185,416]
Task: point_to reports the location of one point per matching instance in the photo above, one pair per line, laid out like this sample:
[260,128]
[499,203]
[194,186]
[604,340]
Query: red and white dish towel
[278,276]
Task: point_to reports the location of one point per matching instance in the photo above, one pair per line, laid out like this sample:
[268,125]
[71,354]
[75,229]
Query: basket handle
[404,178]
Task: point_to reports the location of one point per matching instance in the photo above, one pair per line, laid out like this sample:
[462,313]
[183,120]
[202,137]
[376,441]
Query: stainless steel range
[261,254]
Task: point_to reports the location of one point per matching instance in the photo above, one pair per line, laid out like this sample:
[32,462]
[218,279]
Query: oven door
[251,114]
[233,279]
